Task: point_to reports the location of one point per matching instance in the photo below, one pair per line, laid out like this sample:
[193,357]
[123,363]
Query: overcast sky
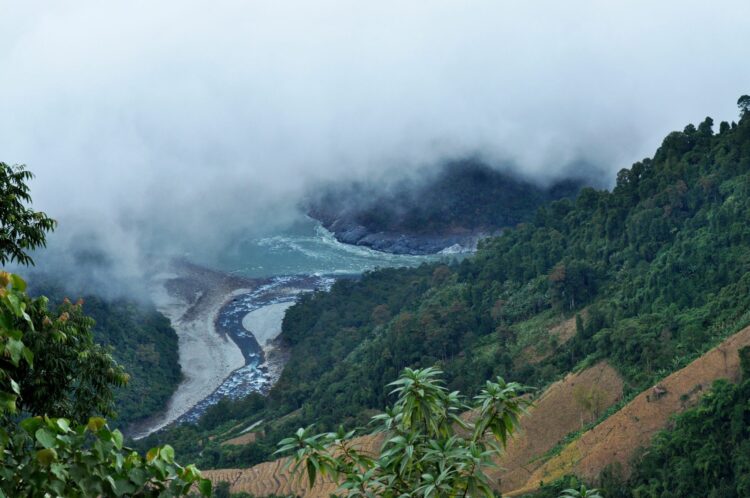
[200,115]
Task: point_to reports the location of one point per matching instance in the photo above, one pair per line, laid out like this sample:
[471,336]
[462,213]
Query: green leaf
[138,476]
[46,456]
[167,453]
[63,424]
[46,437]
[95,424]
[15,348]
[191,472]
[205,487]
[117,438]
[15,304]
[28,355]
[31,424]
[18,283]
[58,470]
[7,402]
[123,487]
[311,473]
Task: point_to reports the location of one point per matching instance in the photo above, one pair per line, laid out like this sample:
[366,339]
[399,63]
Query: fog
[188,122]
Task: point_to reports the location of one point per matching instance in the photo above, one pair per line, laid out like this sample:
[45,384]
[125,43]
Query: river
[227,308]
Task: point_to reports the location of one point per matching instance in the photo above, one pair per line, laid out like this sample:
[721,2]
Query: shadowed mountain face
[463,202]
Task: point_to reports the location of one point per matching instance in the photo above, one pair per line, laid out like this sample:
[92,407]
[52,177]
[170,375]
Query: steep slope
[462,202]
[647,277]
[616,439]
[558,411]
[142,340]
[565,407]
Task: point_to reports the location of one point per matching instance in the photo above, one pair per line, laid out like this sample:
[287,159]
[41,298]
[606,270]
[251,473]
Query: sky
[198,119]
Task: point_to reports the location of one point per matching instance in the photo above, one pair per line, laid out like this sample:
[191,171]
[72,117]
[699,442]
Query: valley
[588,284]
[319,249]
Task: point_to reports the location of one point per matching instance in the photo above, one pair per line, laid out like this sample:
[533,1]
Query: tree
[582,492]
[53,456]
[744,104]
[51,368]
[430,450]
[72,376]
[21,228]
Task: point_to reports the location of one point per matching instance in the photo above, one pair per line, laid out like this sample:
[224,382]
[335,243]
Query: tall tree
[744,104]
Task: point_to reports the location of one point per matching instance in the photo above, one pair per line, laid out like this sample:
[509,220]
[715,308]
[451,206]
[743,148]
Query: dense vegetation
[55,381]
[142,341]
[463,195]
[654,272]
[23,229]
[52,371]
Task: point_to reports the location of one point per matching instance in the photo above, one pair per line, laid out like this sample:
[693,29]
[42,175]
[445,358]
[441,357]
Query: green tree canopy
[21,228]
[744,104]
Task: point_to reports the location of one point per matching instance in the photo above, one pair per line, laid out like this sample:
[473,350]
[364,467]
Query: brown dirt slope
[617,438]
[563,408]
[272,478]
[247,438]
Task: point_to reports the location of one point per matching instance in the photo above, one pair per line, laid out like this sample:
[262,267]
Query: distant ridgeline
[464,201]
[648,277]
[142,341]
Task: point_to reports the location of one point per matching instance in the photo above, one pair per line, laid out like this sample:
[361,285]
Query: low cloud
[166,125]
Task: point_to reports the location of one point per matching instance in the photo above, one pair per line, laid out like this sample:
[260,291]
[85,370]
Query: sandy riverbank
[265,323]
[191,297]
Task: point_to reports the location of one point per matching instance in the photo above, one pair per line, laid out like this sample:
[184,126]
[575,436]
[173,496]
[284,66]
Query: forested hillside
[142,341]
[648,276]
[463,200]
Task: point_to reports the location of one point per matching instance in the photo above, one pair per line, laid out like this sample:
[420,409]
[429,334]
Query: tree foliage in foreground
[21,228]
[51,369]
[50,366]
[64,372]
[140,339]
[429,449]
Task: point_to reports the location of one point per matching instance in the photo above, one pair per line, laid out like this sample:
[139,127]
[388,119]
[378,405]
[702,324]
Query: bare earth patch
[563,408]
[617,438]
[562,333]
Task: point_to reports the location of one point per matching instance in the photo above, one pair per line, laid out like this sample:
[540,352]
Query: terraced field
[617,438]
[564,408]
[559,411]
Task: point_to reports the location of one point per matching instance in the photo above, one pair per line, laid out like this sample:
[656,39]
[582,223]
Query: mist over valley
[323,249]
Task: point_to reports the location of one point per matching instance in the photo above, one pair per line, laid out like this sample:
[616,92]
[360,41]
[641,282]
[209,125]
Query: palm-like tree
[582,492]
